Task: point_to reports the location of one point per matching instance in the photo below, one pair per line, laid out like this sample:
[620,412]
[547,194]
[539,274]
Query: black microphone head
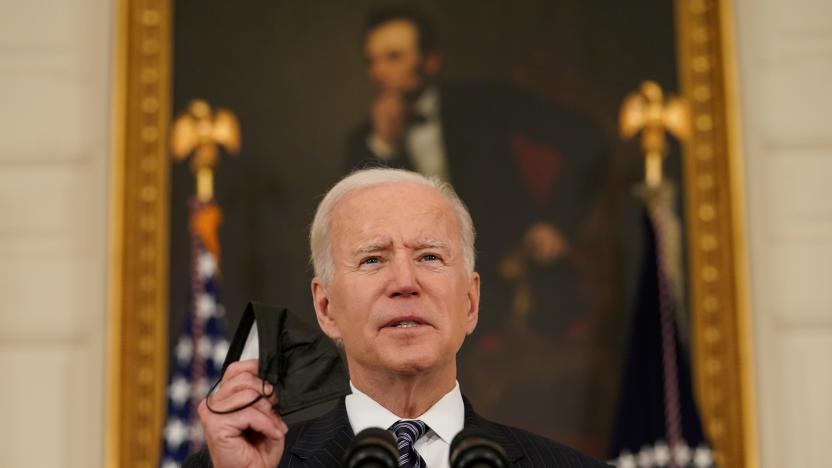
[473,449]
[372,448]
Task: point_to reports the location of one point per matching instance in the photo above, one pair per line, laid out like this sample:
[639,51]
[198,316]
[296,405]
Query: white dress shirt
[445,419]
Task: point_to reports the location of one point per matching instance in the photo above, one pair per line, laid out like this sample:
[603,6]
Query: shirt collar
[446,417]
[427,105]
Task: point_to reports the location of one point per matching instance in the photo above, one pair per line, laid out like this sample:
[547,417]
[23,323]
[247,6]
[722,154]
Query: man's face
[395,62]
[400,296]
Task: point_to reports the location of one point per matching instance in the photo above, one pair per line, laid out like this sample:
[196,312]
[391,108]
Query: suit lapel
[323,442]
[474,421]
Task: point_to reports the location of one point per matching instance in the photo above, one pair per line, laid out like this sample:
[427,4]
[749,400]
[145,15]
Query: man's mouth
[408,322]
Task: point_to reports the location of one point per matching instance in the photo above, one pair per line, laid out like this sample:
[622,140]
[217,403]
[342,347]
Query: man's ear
[473,312]
[323,309]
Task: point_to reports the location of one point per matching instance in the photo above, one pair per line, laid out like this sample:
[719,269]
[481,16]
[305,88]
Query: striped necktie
[407,433]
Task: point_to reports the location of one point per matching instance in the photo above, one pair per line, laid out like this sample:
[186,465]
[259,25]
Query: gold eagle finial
[647,110]
[201,130]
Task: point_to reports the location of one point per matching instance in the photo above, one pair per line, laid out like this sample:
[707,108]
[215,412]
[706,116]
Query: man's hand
[253,437]
[545,243]
[388,112]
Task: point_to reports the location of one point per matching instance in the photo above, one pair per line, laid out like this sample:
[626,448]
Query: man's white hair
[319,233]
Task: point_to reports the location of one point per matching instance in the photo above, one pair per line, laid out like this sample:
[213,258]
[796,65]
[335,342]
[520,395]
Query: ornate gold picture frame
[138,318]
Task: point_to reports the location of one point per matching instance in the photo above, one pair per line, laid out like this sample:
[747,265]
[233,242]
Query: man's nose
[404,281]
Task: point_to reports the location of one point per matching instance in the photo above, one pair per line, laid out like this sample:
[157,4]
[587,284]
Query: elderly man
[395,284]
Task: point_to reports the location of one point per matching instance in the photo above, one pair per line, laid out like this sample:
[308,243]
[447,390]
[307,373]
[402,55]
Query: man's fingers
[389,105]
[242,381]
[272,427]
[240,399]
[233,401]
[238,367]
[242,376]
[249,418]
[265,407]
[259,416]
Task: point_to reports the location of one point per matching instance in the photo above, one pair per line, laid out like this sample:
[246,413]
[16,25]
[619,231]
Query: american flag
[202,345]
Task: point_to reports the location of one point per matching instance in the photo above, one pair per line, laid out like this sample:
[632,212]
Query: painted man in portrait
[512,156]
[528,170]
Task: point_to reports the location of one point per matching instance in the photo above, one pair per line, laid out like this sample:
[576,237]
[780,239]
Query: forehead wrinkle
[374,246]
[433,208]
[428,244]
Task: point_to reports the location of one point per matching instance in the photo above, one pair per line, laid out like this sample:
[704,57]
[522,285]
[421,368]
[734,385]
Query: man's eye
[430,258]
[370,260]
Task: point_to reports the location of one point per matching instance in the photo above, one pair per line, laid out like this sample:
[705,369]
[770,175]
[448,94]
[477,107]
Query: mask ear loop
[234,410]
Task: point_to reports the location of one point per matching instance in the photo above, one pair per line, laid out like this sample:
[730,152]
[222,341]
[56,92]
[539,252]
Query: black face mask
[302,364]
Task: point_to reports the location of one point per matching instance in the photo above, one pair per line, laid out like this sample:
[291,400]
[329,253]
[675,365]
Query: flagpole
[198,132]
[658,423]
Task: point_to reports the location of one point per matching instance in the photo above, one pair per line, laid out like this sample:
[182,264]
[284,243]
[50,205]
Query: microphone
[472,449]
[372,448]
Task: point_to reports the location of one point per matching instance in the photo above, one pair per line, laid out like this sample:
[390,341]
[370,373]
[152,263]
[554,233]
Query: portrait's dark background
[294,74]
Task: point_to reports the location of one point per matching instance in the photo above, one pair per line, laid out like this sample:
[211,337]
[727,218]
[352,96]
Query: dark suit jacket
[321,442]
